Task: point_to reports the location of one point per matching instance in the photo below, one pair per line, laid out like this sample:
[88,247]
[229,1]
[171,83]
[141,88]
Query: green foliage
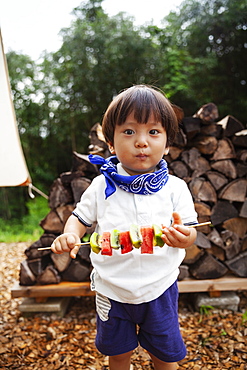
[213,34]
[25,228]
[244,318]
[32,114]
[13,202]
[99,57]
[204,311]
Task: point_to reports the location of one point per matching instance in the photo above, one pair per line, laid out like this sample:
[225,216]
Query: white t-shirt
[134,277]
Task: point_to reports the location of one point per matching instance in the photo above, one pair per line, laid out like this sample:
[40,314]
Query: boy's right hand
[66,243]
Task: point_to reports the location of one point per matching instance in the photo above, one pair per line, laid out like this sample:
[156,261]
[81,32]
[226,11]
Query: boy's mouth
[142,156]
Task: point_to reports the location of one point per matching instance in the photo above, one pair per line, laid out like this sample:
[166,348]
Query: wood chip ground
[216,339]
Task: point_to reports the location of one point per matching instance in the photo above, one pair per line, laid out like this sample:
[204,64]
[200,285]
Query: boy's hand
[66,243]
[178,235]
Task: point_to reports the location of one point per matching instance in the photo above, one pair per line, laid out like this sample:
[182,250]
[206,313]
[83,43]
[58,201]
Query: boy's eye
[129,132]
[153,132]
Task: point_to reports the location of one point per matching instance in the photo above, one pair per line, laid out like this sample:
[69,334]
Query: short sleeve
[86,209]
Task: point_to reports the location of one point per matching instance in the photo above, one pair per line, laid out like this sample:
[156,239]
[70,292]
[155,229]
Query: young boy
[136,294]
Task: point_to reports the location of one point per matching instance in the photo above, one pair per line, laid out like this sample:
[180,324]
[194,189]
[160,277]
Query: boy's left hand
[178,235]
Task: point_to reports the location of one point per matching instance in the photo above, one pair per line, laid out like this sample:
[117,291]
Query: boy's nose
[141,142]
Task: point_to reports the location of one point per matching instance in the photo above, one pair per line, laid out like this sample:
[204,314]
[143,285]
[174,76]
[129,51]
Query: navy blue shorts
[121,327]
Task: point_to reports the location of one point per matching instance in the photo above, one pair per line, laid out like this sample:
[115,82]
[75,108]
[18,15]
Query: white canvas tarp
[13,168]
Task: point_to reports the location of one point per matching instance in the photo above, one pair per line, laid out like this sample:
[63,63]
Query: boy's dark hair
[143,100]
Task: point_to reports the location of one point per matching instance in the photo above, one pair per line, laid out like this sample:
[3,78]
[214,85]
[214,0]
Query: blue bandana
[147,183]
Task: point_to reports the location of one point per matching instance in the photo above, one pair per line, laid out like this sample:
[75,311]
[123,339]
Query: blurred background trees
[197,56]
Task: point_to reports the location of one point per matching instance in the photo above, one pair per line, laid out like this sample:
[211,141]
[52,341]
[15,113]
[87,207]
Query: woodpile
[43,266]
[210,155]
[212,158]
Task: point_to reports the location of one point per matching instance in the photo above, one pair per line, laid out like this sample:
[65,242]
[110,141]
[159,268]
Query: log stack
[210,155]
[212,158]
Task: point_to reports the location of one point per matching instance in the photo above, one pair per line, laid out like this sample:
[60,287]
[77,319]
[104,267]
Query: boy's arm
[73,232]
[178,235]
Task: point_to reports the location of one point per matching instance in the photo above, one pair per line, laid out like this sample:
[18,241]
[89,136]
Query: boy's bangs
[144,104]
[145,109]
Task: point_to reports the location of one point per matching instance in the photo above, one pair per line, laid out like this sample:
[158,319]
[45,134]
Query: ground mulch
[216,339]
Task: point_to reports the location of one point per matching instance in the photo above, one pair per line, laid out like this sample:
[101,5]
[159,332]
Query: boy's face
[139,146]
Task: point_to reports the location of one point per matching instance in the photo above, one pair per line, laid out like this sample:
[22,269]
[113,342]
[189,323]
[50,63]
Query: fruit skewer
[137,237]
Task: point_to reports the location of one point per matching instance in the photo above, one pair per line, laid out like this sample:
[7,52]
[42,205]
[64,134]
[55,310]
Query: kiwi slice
[94,242]
[157,235]
[135,235]
[115,239]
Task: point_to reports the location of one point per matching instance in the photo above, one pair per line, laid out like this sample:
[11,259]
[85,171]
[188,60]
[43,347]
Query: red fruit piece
[106,249]
[147,239]
[125,242]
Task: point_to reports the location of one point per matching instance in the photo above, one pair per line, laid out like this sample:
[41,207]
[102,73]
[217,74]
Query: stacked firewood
[43,266]
[212,158]
[210,155]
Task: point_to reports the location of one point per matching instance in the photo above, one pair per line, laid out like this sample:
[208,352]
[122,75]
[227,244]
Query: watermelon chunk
[106,249]
[125,242]
[147,239]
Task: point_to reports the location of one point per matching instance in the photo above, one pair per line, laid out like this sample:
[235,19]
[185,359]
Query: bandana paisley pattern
[148,183]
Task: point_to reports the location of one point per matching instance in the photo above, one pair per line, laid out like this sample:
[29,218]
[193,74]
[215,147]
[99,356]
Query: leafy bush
[25,229]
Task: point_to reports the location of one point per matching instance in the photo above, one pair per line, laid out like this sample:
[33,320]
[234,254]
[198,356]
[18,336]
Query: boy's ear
[111,148]
[166,151]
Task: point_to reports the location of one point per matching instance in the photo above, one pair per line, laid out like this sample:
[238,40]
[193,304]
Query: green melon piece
[94,242]
[157,236]
[135,235]
[115,239]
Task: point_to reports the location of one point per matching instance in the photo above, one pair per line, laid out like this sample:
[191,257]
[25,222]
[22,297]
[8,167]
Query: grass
[26,229]
[244,318]
[204,311]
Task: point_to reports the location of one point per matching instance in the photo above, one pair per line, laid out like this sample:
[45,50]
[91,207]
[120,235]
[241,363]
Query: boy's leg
[120,362]
[159,333]
[161,365]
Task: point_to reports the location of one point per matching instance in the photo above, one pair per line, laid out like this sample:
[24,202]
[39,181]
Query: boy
[136,294]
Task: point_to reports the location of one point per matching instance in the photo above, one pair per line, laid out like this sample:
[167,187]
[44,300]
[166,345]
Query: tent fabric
[13,168]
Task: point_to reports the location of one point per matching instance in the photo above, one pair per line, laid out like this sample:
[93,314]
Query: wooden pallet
[70,289]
